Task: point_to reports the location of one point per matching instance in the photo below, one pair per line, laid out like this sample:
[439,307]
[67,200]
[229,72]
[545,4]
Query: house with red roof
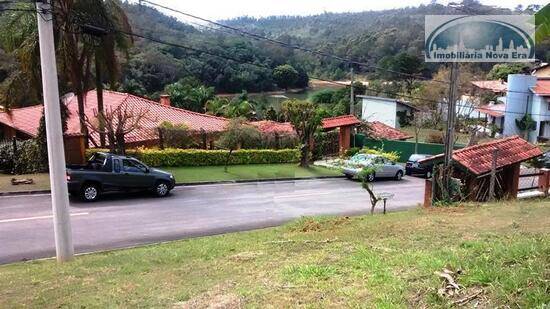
[24,122]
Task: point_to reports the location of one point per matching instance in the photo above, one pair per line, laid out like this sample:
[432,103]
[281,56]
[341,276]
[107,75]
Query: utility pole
[351,97]
[54,133]
[450,134]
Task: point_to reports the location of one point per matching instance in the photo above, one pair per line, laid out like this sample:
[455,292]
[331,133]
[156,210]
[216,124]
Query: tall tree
[285,76]
[74,47]
[304,118]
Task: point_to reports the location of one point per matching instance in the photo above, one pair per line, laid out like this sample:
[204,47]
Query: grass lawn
[196,174]
[248,172]
[424,133]
[382,261]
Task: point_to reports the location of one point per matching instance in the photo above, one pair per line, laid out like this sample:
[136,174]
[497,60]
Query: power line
[291,46]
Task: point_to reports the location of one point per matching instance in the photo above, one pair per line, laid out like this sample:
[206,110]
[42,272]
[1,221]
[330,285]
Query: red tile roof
[27,119]
[340,121]
[495,110]
[268,126]
[542,87]
[380,130]
[478,159]
[492,85]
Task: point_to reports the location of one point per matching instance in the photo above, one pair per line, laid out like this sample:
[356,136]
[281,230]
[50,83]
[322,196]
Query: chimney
[165,100]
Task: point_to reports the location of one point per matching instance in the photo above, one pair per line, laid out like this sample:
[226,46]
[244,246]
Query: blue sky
[223,9]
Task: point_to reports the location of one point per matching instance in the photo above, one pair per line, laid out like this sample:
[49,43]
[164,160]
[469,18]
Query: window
[132,166]
[116,165]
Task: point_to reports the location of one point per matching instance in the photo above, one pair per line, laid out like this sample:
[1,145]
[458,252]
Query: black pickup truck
[106,172]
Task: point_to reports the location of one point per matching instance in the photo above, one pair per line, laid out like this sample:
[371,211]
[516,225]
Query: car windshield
[418,157]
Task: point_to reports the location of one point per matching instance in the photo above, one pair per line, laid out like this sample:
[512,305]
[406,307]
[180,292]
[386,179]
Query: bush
[435,138]
[25,161]
[352,151]
[200,157]
[390,155]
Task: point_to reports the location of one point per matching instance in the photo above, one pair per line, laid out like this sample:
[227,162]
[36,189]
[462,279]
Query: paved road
[118,221]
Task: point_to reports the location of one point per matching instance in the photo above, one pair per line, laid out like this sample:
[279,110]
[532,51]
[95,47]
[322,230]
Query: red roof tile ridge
[175,108]
[22,108]
[339,117]
[483,145]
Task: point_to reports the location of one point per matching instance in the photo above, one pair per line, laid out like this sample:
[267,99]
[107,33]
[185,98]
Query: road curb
[200,183]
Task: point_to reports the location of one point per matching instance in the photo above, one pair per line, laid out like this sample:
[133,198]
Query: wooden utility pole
[492,180]
[450,130]
[351,96]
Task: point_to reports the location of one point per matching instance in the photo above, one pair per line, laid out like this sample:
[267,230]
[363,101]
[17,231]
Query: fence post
[544,181]
[428,193]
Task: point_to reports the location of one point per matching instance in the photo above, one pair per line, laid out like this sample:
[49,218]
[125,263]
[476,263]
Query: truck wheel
[89,192]
[428,174]
[349,176]
[162,189]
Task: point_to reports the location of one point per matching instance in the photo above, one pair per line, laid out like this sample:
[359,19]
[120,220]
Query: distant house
[379,130]
[385,110]
[528,94]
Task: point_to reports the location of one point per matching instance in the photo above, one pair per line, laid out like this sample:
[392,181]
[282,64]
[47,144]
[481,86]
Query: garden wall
[404,148]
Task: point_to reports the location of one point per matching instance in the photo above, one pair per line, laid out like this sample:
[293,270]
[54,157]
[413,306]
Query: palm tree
[76,49]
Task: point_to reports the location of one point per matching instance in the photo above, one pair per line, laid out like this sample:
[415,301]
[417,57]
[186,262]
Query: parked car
[413,166]
[543,161]
[384,167]
[106,172]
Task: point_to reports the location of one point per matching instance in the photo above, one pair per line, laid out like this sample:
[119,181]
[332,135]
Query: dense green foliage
[501,71]
[199,157]
[24,160]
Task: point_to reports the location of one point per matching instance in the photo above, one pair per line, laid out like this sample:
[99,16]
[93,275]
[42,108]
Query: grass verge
[196,174]
[371,261]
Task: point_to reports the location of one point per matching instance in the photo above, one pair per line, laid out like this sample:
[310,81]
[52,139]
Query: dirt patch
[246,256]
[313,225]
[217,298]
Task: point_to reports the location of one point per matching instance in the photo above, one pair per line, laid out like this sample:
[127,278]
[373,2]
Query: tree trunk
[304,158]
[99,91]
[227,160]
[121,145]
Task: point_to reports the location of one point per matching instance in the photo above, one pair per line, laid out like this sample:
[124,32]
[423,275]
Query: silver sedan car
[383,167]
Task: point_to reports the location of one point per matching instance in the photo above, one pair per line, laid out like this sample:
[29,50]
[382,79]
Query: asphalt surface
[126,220]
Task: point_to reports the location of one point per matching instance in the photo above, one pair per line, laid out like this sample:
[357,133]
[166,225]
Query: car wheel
[408,173]
[370,177]
[349,176]
[428,175]
[162,189]
[90,192]
[399,175]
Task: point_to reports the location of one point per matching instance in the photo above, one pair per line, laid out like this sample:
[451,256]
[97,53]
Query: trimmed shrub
[325,144]
[200,157]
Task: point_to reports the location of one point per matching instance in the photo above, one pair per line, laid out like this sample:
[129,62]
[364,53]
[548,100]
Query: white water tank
[518,101]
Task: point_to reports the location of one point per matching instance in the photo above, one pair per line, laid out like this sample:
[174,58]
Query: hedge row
[200,157]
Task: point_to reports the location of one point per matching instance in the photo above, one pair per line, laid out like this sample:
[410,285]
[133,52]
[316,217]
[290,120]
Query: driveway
[118,221]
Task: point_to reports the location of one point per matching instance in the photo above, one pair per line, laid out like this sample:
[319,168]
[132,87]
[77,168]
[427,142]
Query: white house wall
[517,101]
[540,113]
[380,110]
